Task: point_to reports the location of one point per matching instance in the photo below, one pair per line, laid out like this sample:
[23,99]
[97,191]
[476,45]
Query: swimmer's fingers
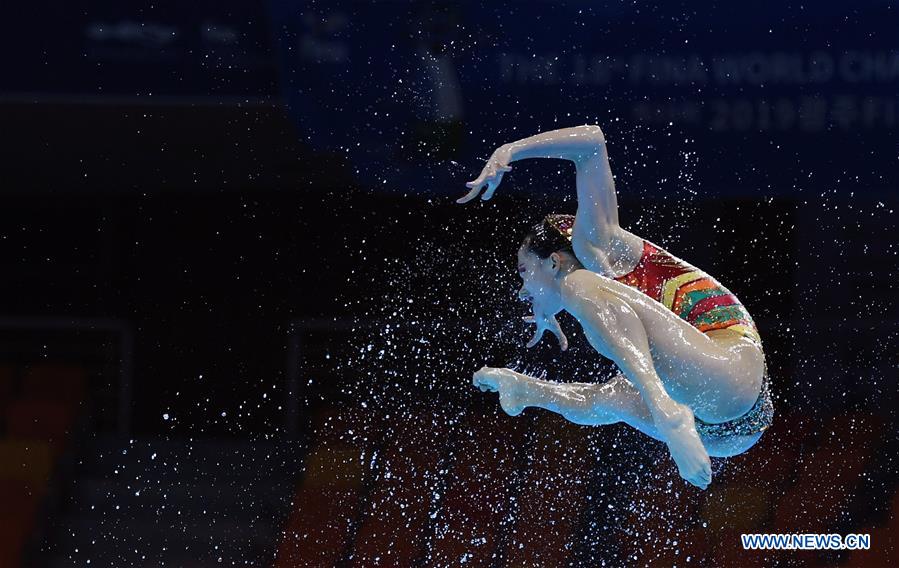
[478,181]
[494,183]
[563,341]
[546,323]
[487,174]
[538,333]
[536,339]
[557,331]
[491,187]
[476,189]
[491,176]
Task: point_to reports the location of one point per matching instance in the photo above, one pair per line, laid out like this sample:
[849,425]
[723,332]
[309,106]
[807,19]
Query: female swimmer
[692,368]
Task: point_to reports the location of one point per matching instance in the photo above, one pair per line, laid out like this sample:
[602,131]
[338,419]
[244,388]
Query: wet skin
[670,370]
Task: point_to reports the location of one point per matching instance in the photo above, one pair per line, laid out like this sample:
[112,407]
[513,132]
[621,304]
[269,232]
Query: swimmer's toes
[698,481]
[694,469]
[704,475]
[484,384]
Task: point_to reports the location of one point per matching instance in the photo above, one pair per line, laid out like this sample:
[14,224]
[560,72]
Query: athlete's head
[545,255]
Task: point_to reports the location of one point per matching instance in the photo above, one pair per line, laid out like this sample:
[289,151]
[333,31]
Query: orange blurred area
[7,384]
[884,541]
[327,501]
[518,489]
[48,420]
[552,494]
[393,525]
[55,381]
[477,496]
[39,404]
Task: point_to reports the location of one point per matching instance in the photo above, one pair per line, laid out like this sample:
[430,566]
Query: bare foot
[506,383]
[684,445]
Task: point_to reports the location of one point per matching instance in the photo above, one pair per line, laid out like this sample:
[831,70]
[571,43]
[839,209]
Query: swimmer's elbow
[595,133]
[593,142]
[588,141]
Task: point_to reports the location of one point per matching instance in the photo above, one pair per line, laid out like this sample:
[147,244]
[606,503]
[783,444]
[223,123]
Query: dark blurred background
[240,309]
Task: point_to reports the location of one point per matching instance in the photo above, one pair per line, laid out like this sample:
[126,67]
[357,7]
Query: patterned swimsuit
[708,306]
[689,292]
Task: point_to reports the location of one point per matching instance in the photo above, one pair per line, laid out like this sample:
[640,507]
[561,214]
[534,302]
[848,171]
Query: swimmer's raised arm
[597,214]
[576,144]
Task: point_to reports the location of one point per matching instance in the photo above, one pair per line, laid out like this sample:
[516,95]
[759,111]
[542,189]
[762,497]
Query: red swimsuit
[689,292]
[681,287]
[706,305]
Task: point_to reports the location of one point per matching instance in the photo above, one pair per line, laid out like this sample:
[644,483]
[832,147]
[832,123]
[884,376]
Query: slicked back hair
[552,234]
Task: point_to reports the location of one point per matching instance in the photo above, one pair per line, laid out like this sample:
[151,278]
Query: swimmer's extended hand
[546,322]
[491,175]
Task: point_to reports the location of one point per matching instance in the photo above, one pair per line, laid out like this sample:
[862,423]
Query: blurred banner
[160,52]
[413,94]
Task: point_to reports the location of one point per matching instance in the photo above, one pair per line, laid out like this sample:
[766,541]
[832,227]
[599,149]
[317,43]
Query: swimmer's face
[540,286]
